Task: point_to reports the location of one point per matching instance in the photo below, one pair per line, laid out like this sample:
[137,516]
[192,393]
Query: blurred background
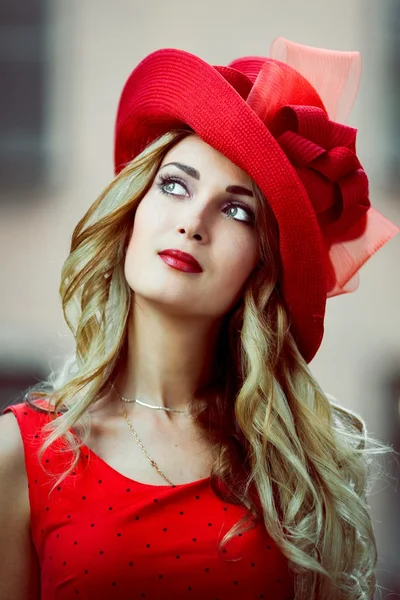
[62,68]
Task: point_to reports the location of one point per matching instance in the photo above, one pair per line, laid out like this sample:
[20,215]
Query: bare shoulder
[12,466]
[19,571]
[12,460]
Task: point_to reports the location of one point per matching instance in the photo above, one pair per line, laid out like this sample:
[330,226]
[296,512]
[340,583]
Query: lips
[181,260]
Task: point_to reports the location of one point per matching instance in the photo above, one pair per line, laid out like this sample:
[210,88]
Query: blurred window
[22,93]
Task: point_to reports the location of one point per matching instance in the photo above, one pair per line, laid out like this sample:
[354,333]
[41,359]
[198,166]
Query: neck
[168,357]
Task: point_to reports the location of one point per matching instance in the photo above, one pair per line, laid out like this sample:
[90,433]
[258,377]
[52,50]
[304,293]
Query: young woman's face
[202,204]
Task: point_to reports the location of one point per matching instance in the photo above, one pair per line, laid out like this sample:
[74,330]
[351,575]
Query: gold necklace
[147,455]
[135,435]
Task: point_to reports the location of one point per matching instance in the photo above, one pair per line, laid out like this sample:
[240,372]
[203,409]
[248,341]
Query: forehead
[196,153]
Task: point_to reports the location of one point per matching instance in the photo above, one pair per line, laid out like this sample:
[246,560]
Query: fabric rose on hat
[323,154]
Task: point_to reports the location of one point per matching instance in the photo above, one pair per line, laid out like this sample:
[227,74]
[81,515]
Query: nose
[189,234]
[193,225]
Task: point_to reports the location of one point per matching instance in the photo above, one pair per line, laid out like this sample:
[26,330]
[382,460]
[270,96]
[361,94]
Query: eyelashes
[165,180]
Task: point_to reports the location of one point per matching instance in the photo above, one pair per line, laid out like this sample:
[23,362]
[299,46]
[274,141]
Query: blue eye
[170,182]
[250,218]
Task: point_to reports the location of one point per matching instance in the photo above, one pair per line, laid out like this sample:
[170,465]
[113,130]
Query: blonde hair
[297,460]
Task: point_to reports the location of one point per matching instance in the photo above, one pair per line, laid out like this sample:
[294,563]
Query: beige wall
[94,46]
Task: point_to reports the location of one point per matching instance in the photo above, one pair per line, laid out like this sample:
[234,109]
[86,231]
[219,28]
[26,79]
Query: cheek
[241,250]
[151,218]
[148,226]
[144,225]
[136,251]
[237,258]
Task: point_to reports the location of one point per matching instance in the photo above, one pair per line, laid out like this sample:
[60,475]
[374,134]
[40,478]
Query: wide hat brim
[171,88]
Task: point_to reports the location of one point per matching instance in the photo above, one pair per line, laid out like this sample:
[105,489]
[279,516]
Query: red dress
[103,536]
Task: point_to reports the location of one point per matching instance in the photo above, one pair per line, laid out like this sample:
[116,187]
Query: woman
[185,450]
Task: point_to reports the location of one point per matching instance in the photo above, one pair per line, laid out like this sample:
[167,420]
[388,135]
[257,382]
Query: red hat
[276,119]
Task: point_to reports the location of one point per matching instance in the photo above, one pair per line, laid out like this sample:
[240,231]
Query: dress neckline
[89,452]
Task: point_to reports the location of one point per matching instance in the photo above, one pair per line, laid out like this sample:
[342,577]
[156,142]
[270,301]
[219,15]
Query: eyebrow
[232,189]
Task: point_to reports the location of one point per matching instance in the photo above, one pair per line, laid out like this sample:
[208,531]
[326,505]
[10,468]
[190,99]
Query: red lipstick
[180,260]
